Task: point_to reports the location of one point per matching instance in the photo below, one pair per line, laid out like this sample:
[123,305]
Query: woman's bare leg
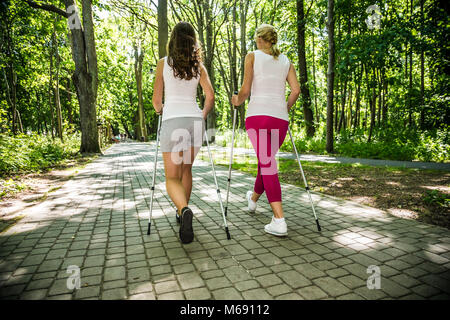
[186,175]
[174,186]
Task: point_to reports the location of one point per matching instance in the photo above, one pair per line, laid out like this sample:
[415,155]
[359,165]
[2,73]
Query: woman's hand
[234,100]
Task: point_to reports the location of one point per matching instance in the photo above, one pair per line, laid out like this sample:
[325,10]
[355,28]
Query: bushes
[34,152]
[394,142]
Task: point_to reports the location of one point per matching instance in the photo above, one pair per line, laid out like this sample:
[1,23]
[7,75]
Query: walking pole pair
[154,177]
[299,163]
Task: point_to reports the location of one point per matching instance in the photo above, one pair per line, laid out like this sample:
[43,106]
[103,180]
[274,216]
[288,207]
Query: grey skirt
[180,134]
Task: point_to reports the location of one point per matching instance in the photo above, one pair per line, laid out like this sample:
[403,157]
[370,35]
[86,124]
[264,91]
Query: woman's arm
[295,87]
[158,87]
[244,93]
[208,90]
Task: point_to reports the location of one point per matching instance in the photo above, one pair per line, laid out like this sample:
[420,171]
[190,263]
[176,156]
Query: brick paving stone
[312,293]
[269,280]
[216,283]
[178,295]
[351,281]
[59,287]
[190,280]
[114,273]
[87,292]
[331,286]
[114,284]
[256,294]
[114,294]
[294,279]
[425,290]
[247,285]
[393,289]
[143,296]
[279,289]
[405,280]
[227,294]
[437,282]
[289,296]
[198,294]
[34,294]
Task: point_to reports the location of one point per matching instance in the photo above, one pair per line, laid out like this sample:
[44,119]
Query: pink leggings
[267,135]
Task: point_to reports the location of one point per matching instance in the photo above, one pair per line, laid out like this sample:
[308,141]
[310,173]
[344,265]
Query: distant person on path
[266,71]
[183,122]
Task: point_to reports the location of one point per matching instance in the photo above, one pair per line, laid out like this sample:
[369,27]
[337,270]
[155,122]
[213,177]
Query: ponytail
[275,51]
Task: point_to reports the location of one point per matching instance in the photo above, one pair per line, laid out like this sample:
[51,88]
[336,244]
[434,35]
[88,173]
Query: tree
[85,77]
[303,72]
[330,76]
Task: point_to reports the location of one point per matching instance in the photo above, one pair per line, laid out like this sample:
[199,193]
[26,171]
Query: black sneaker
[186,231]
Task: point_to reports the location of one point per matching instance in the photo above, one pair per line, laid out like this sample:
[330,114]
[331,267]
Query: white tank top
[268,93]
[179,95]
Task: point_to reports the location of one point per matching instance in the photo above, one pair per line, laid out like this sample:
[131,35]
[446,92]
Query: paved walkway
[98,221]
[330,159]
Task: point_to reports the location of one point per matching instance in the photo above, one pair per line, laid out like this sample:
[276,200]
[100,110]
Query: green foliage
[10,187]
[25,153]
[396,143]
[437,198]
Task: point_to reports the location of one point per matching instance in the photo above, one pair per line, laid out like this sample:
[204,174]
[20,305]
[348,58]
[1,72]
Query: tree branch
[47,7]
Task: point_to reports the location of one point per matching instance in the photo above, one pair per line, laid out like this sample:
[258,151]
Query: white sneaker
[251,203]
[276,228]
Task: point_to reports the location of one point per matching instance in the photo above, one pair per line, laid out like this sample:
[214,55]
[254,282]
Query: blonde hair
[269,34]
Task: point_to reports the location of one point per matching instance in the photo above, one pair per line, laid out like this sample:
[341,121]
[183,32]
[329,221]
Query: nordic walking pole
[217,189]
[304,180]
[231,157]
[154,175]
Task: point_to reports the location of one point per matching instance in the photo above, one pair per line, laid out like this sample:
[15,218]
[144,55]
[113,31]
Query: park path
[97,222]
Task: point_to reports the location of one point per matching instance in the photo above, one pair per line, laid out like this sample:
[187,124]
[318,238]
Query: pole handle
[235,92]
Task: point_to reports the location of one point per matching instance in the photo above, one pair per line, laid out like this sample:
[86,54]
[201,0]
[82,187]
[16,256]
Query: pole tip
[149,227]
[318,225]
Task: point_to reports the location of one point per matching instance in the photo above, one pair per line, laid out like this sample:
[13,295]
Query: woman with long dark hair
[178,75]
[266,72]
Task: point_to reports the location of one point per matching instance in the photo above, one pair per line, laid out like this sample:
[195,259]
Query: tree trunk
[330,76]
[211,118]
[138,60]
[51,93]
[422,71]
[372,103]
[410,75]
[56,94]
[163,28]
[358,100]
[85,75]
[314,80]
[243,8]
[304,89]
[344,95]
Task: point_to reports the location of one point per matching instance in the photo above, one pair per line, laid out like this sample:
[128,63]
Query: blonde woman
[182,126]
[266,72]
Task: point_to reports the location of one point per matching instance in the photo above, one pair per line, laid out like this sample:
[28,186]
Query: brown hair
[184,52]
[269,34]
